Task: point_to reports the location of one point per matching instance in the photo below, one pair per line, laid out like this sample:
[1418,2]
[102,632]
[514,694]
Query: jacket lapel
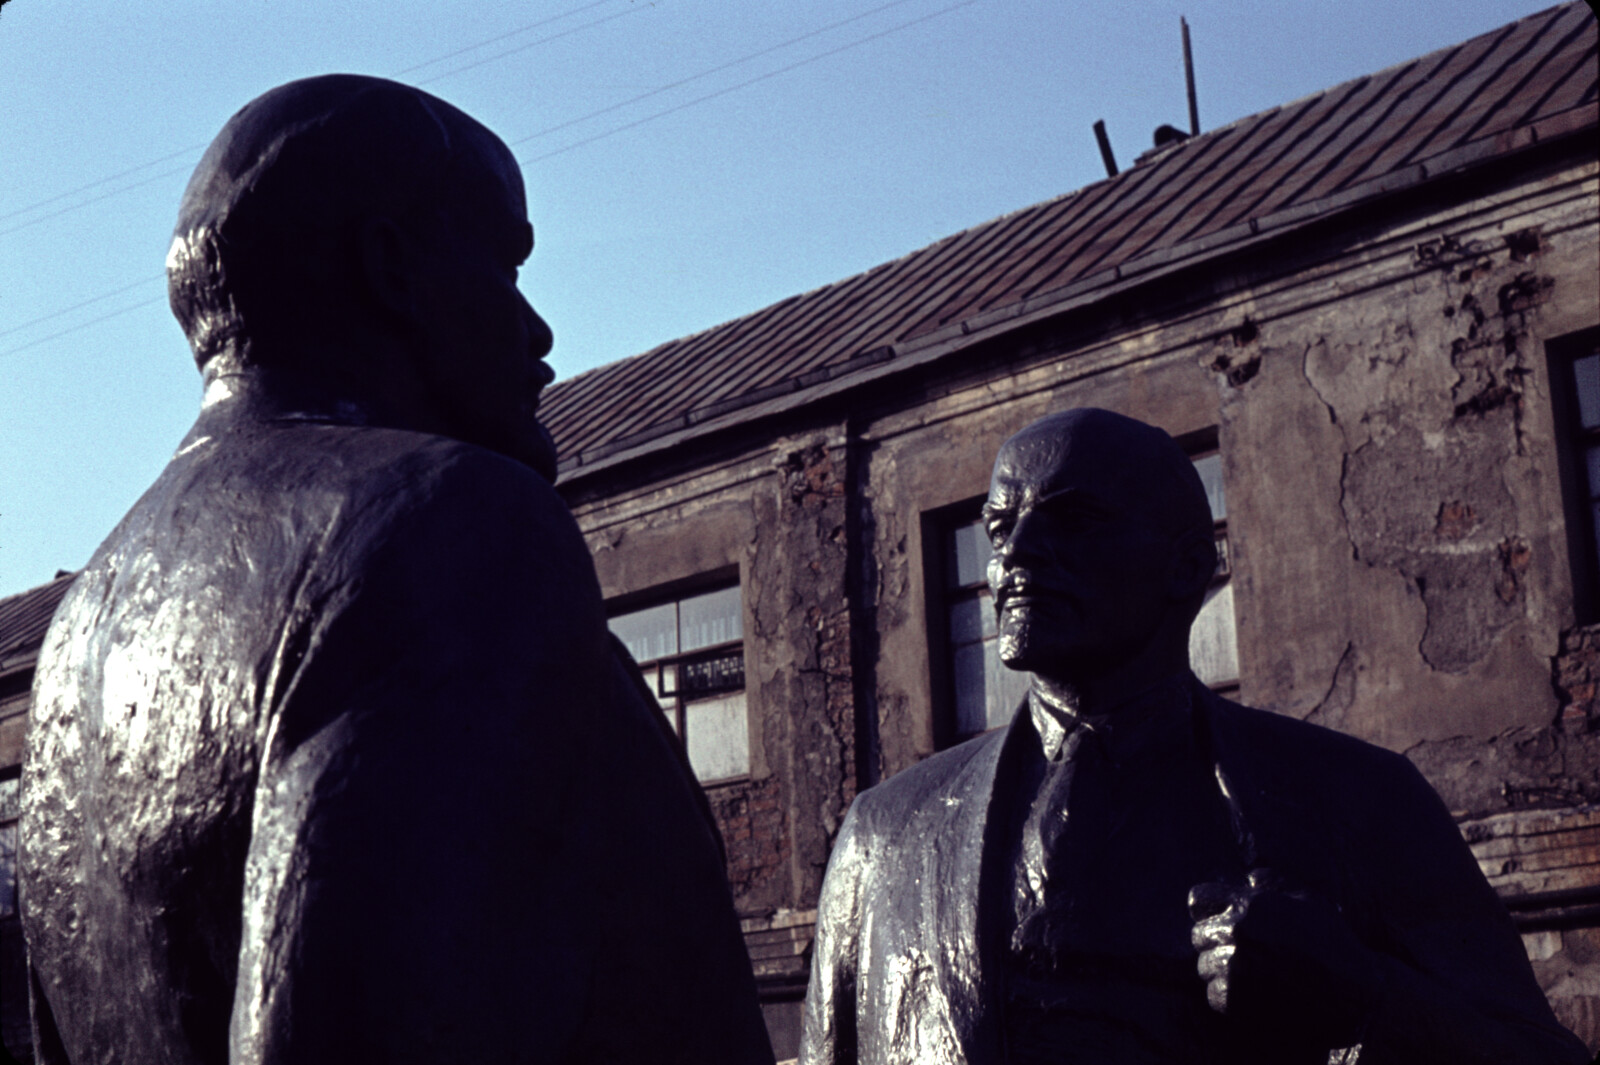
[967,933]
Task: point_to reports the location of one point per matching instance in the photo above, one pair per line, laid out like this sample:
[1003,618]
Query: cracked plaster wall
[777,518]
[1394,488]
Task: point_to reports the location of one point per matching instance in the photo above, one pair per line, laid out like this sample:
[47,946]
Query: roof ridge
[1326,151]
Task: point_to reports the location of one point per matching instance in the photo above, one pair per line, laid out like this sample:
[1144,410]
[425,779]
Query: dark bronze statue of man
[1136,871]
[333,759]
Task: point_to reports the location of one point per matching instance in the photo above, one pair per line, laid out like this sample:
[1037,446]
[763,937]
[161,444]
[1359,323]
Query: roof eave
[920,351]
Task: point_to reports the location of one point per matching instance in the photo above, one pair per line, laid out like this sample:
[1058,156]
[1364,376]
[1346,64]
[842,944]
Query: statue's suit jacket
[333,760]
[911,931]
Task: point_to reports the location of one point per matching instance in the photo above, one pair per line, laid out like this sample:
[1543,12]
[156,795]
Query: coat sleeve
[829,1035]
[1462,976]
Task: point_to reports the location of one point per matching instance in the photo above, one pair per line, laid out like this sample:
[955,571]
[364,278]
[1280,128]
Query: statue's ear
[1194,563]
[388,264]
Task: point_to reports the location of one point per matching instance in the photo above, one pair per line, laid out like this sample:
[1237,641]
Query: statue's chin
[542,453]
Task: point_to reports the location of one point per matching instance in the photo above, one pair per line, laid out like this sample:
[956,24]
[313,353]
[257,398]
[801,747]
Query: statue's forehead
[1045,462]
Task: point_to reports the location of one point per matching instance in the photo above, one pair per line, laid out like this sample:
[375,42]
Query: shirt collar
[1125,730]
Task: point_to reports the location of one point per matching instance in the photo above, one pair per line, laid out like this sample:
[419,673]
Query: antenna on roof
[1188,77]
[1105,147]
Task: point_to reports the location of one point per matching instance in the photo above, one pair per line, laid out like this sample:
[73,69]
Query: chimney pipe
[1188,77]
[1105,147]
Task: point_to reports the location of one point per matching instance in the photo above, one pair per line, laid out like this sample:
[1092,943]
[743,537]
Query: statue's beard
[1047,637]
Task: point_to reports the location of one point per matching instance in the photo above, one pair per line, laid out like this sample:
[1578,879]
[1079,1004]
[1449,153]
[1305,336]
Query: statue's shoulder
[1286,756]
[1289,737]
[355,469]
[961,772]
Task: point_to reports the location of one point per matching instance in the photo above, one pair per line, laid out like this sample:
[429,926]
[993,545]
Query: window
[10,807]
[691,652]
[1214,641]
[1575,373]
[984,692]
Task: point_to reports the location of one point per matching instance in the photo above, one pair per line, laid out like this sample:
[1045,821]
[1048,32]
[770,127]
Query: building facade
[1370,316]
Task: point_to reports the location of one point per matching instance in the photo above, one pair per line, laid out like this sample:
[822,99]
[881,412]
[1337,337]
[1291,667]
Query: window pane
[971,620]
[8,870]
[1007,686]
[650,633]
[719,673]
[1594,512]
[1210,470]
[968,560]
[1213,643]
[1591,458]
[987,691]
[710,618]
[1586,373]
[972,702]
[719,738]
[10,798]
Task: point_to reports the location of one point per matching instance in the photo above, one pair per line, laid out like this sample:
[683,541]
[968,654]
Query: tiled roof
[1532,80]
[24,617]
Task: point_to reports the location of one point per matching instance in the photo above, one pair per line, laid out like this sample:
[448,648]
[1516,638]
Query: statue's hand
[1283,961]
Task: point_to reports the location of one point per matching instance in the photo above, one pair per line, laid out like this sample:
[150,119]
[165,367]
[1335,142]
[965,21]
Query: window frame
[14,773]
[1199,446]
[654,669]
[1572,442]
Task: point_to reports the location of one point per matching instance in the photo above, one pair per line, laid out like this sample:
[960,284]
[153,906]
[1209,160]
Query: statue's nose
[1025,541]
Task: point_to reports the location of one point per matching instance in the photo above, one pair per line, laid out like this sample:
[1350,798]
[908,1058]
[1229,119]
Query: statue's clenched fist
[1283,962]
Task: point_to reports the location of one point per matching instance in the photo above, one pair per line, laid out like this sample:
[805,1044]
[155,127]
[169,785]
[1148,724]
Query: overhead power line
[193,148]
[519,31]
[96,199]
[745,84]
[532,136]
[81,325]
[102,181]
[708,72]
[79,306]
[530,44]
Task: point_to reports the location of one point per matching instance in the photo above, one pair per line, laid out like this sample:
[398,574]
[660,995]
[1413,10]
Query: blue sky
[687,162]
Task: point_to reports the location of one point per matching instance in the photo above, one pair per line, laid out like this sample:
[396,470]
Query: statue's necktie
[1061,837]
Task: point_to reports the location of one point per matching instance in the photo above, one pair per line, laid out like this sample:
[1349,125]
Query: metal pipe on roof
[1105,147]
[1188,77]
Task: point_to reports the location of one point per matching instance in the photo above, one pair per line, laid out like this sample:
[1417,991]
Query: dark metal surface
[1295,157]
[1136,870]
[332,758]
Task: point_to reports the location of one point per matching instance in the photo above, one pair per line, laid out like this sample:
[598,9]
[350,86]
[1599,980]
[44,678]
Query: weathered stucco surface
[1381,398]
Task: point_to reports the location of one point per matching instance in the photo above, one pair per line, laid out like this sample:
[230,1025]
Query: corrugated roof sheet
[1495,93]
[25,617]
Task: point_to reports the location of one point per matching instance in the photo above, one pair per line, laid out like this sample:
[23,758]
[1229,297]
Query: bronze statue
[332,757]
[1136,871]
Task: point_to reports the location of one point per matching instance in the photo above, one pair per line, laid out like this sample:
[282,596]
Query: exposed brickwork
[1577,678]
[751,820]
[780,944]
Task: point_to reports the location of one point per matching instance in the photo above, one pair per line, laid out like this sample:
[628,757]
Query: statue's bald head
[279,195]
[1138,463]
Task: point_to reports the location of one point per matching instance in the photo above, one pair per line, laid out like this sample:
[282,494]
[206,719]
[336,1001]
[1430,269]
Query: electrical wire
[530,44]
[201,146]
[705,73]
[524,162]
[496,40]
[744,84]
[79,306]
[82,325]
